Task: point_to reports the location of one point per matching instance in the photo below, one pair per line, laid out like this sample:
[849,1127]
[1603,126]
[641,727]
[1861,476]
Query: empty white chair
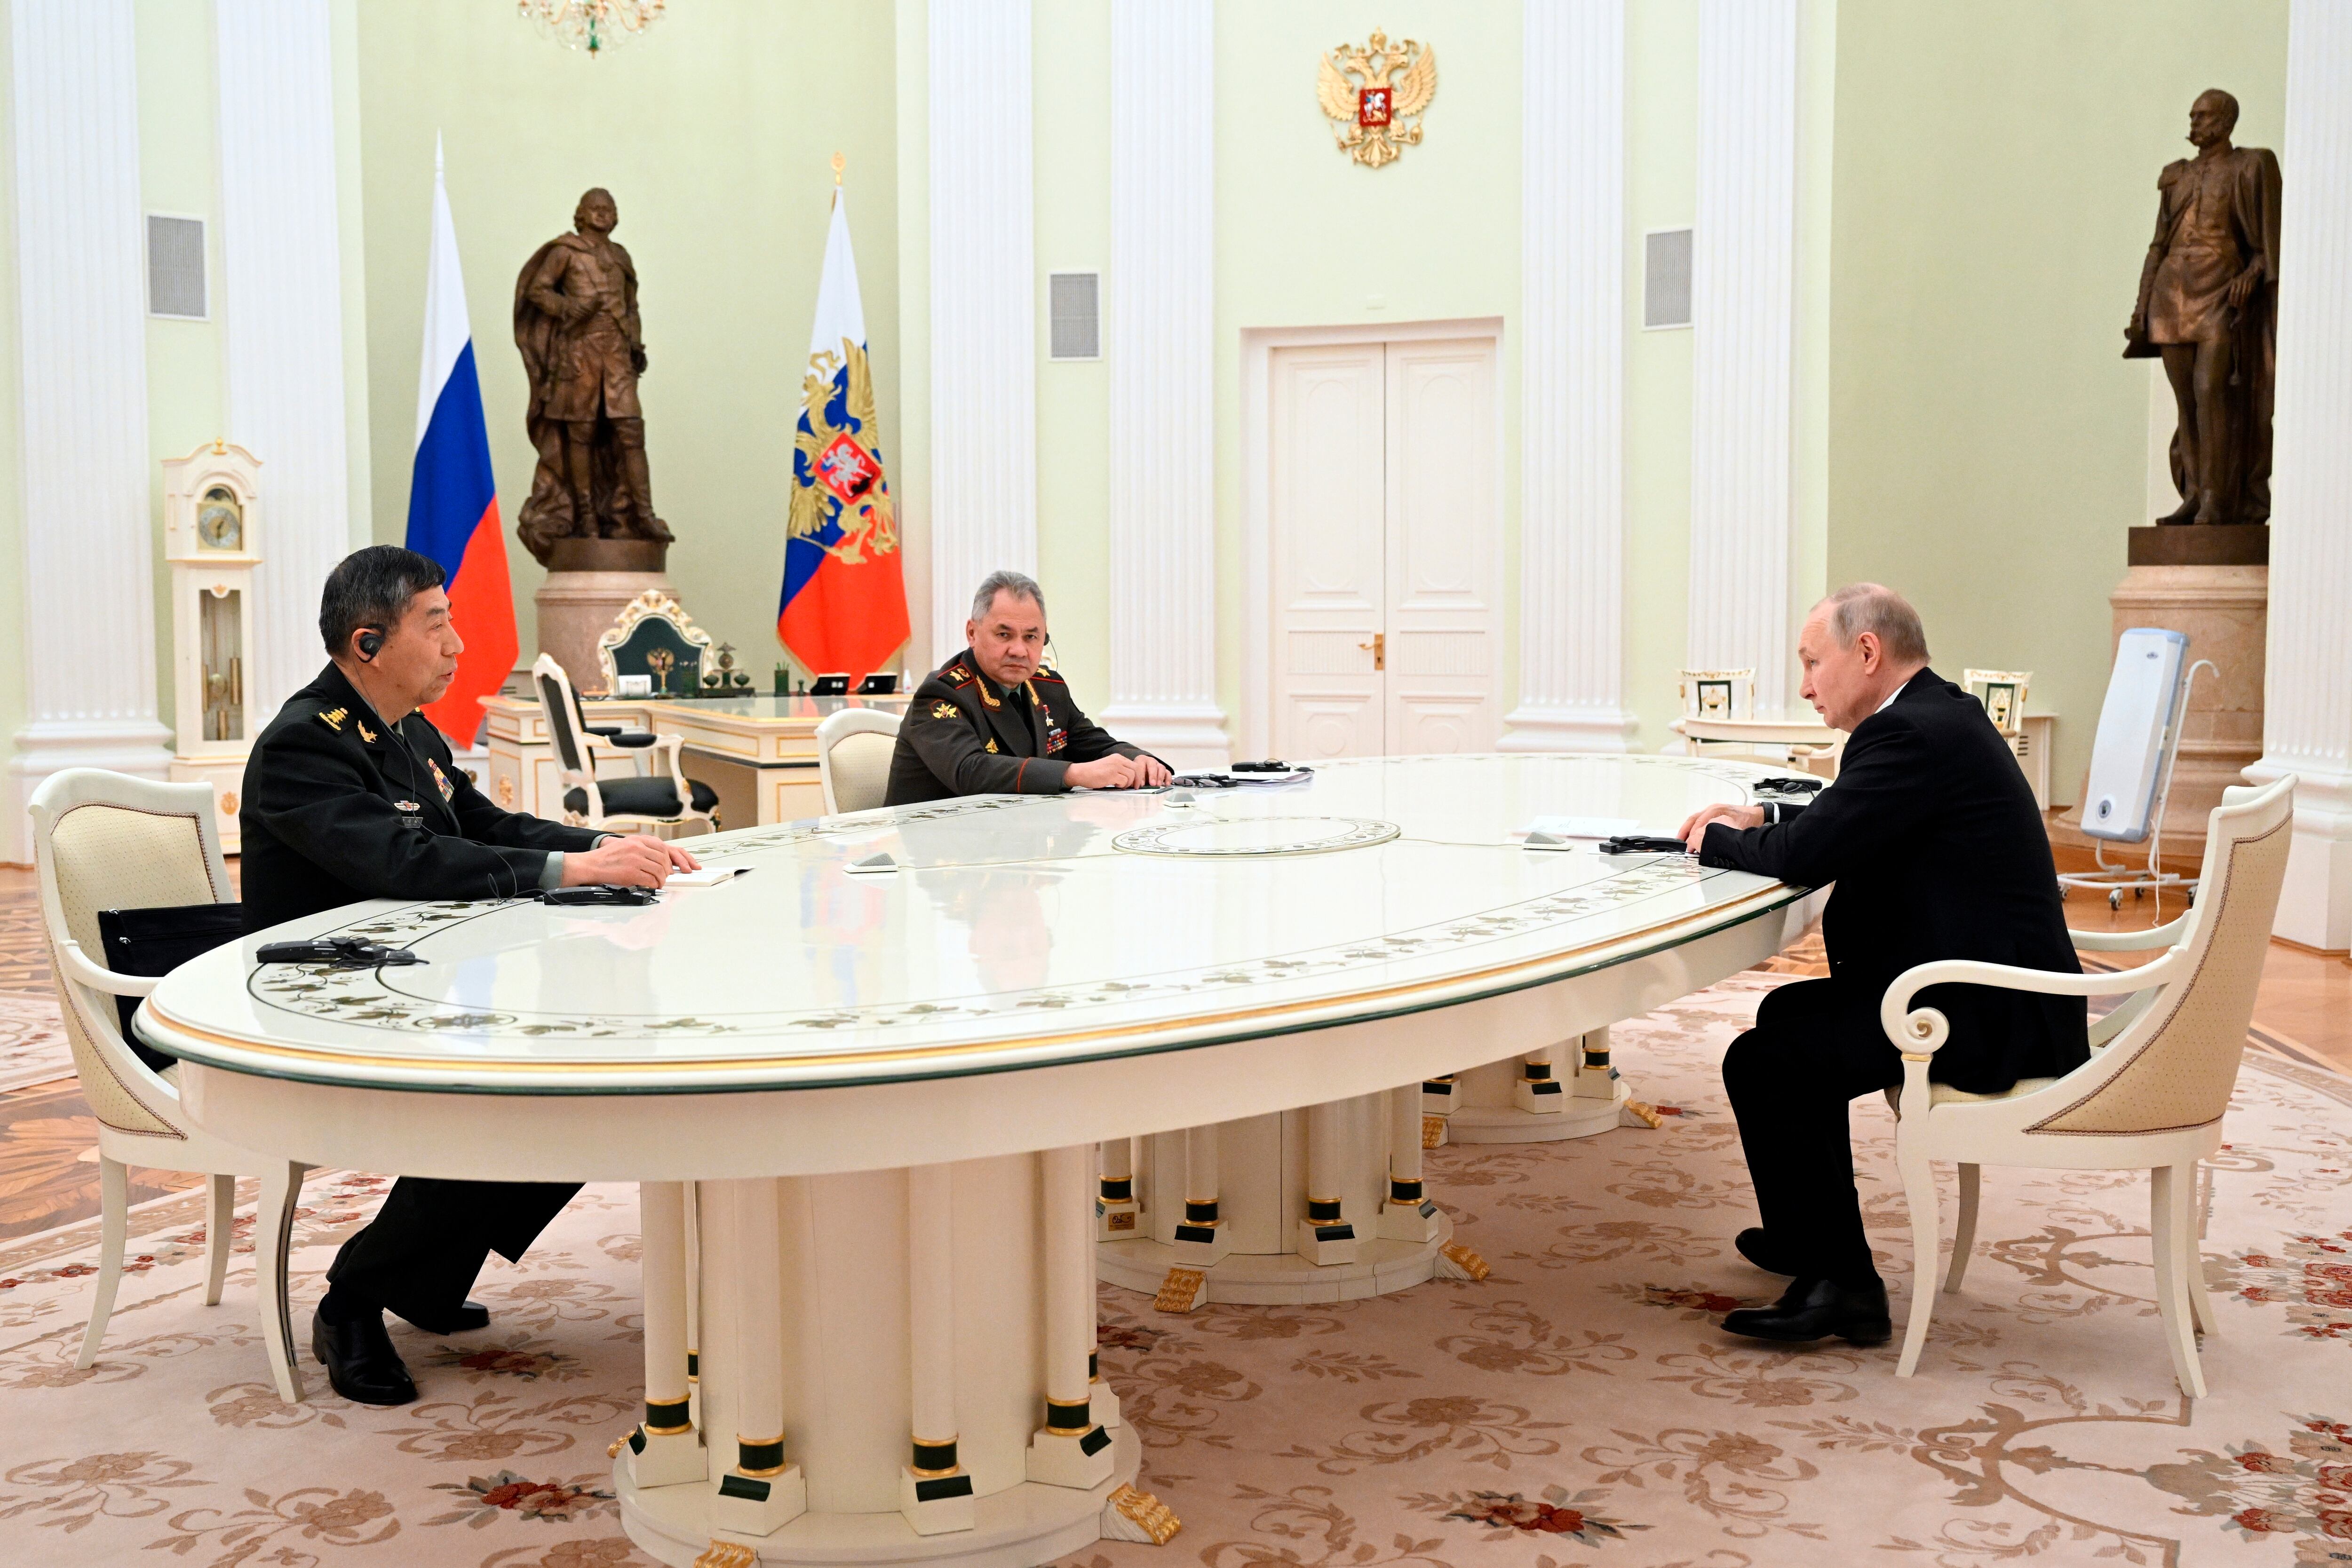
[854,749]
[660,796]
[105,841]
[2151,1097]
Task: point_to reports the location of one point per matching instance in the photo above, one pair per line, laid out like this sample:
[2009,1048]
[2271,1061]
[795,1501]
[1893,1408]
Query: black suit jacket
[965,735]
[1939,852]
[339,809]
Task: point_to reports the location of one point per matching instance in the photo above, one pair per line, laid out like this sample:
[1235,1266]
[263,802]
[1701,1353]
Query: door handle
[1379,649]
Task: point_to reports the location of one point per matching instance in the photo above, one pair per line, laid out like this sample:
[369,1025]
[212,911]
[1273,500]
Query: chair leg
[1964,1234]
[113,1230]
[273,1237]
[2167,1219]
[1919,1192]
[220,1235]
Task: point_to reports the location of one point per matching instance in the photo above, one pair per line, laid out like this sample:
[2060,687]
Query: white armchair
[2151,1097]
[105,841]
[654,794]
[854,749]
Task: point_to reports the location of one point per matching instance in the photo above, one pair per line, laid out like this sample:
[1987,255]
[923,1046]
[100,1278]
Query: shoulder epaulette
[1050,676]
[956,675]
[333,717]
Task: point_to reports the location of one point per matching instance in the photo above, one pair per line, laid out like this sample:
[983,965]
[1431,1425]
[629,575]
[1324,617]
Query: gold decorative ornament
[592,26]
[1459,1262]
[1153,1517]
[507,790]
[727,1555]
[1182,1291]
[1376,118]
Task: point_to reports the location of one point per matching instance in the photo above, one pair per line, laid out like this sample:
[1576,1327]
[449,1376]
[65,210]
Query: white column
[81,395]
[1743,310]
[2308,711]
[1160,338]
[1572,379]
[282,320]
[984,306]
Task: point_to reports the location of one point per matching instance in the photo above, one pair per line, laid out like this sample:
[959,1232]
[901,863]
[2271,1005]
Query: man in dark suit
[1938,850]
[994,721]
[352,794]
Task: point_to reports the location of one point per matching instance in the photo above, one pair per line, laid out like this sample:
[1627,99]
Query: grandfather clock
[212,539]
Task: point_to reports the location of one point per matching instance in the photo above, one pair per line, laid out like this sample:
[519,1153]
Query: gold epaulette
[333,719]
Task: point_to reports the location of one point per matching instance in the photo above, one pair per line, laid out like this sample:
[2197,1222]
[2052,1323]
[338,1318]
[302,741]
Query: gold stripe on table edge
[925,1052]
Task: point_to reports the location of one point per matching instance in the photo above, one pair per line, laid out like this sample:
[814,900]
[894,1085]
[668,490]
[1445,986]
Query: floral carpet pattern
[33,1045]
[1577,1406]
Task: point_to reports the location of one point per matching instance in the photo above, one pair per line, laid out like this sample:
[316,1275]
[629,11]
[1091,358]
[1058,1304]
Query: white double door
[1386,528]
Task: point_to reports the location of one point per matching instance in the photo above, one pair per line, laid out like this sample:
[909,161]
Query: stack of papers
[1559,827]
[1250,780]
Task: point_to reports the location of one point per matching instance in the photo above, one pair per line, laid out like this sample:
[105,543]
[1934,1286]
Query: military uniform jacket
[339,809]
[965,735]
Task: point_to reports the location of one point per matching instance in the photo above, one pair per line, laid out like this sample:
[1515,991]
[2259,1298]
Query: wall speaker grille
[1074,307]
[175,266]
[1666,279]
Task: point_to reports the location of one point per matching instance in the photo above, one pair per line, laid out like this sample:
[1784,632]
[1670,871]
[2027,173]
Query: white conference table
[927,1057]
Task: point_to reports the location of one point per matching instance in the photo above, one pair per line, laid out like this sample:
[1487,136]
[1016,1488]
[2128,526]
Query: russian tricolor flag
[453,499]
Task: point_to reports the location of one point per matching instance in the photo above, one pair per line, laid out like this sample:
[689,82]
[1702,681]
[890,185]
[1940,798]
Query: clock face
[220,521]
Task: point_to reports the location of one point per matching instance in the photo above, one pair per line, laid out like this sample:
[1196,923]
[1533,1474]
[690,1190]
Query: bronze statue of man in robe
[2208,306]
[575,317]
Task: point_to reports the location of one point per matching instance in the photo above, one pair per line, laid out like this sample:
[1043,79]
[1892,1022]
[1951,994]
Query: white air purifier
[2138,727]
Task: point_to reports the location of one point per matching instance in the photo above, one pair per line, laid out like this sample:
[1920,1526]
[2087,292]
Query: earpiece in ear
[371,644]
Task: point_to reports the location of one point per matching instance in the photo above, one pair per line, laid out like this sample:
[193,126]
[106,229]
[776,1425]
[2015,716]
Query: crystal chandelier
[594,26]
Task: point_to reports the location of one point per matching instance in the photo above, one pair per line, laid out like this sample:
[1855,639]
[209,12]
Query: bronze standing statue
[2209,306]
[575,318]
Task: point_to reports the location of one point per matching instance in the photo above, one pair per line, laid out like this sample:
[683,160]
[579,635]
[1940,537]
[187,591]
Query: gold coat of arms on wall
[1374,96]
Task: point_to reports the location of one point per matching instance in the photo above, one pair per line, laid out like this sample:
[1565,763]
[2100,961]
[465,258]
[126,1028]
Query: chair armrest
[1923,1032]
[608,731]
[72,959]
[633,740]
[2167,935]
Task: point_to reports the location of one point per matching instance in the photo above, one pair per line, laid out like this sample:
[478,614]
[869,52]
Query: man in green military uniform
[992,721]
[352,794]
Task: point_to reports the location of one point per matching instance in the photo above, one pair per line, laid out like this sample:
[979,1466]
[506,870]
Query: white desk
[927,1059]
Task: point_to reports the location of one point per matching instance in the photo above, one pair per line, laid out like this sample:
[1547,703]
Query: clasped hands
[1117,772]
[635,860]
[1692,833]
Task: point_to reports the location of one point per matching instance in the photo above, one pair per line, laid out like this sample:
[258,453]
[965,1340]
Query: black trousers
[1816,1047]
[427,1243]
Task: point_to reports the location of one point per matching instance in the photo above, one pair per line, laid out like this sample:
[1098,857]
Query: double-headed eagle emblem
[1370,117]
[840,474]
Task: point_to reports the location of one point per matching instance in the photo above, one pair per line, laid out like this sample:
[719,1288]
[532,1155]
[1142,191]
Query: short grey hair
[1860,607]
[1018,584]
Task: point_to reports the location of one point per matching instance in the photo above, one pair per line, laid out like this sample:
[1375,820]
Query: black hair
[372,587]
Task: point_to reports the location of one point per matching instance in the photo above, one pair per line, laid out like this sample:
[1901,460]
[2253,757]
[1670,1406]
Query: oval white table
[861,1087]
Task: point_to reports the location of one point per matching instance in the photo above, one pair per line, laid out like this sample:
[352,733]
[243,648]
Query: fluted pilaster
[81,396]
[1160,344]
[1743,308]
[282,323]
[2307,710]
[984,305]
[1572,379]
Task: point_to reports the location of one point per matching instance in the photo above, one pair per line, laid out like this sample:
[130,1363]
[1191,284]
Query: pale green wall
[1070,43]
[1661,192]
[1306,236]
[179,157]
[713,134]
[1995,189]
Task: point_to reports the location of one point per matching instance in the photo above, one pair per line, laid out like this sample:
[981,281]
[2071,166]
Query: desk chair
[655,637]
[2151,1097]
[104,840]
[854,749]
[661,796]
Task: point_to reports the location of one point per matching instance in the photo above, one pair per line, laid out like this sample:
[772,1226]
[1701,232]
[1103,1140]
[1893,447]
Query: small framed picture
[633,686]
[1714,699]
[2001,705]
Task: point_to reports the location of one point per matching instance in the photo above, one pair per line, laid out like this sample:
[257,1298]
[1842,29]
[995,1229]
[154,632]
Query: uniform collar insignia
[991,745]
[333,719]
[366,733]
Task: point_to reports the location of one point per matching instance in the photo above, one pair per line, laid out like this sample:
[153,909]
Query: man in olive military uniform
[990,721]
[352,794]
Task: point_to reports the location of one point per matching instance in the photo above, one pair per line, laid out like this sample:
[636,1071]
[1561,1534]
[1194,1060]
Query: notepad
[872,865]
[708,876]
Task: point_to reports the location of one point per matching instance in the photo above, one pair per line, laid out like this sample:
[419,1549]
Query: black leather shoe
[360,1360]
[1758,1249]
[464,1320]
[1818,1308]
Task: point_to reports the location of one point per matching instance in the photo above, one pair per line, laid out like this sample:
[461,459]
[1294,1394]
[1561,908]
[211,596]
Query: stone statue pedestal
[588,583]
[2213,584]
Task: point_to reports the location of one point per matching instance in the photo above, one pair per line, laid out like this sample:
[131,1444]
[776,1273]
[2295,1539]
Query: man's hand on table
[1692,833]
[638,859]
[1117,773]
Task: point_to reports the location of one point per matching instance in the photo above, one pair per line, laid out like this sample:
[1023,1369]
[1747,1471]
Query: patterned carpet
[1577,1406]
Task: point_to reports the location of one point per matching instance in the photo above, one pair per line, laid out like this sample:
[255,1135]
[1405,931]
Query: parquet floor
[48,1170]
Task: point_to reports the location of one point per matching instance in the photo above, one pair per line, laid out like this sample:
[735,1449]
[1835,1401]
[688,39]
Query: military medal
[441,780]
